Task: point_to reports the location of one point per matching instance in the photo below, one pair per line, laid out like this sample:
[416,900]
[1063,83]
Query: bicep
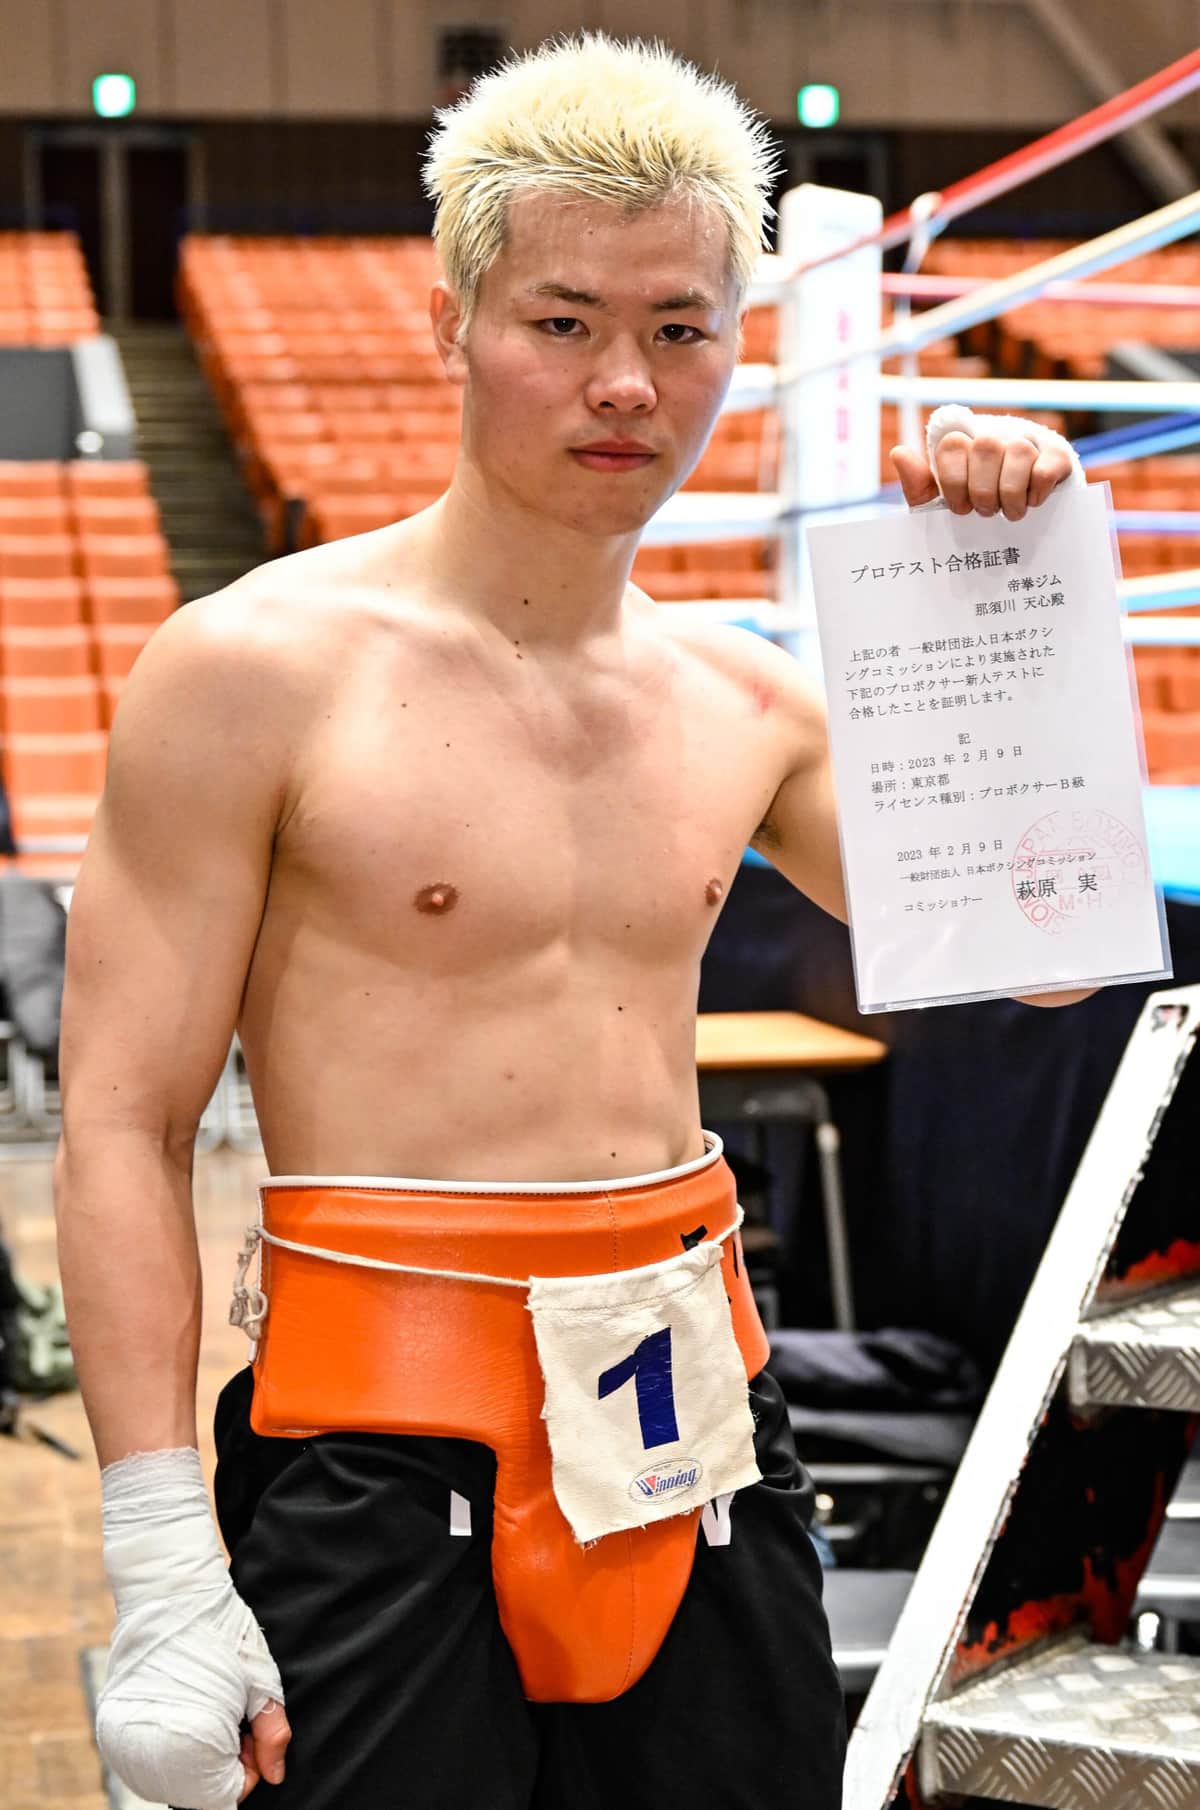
[799,831]
[164,919]
[799,834]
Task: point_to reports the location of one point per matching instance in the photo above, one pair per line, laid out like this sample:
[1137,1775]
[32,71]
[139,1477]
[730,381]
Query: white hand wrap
[953,418]
[188,1660]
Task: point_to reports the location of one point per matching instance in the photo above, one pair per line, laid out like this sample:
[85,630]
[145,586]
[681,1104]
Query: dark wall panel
[317,175]
[11,186]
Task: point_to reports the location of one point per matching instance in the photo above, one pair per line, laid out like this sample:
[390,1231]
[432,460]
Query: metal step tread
[1074,1725]
[197,538]
[1146,1354]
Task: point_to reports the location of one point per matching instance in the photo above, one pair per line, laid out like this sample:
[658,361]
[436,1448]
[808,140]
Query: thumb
[271,1733]
[915,474]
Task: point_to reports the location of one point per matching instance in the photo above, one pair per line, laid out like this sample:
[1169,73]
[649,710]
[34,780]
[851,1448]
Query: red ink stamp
[1073,863]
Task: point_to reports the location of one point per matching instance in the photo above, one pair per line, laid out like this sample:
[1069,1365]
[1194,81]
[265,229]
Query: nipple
[714,892]
[437,899]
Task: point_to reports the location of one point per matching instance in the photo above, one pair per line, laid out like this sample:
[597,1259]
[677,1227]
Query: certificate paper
[986,753]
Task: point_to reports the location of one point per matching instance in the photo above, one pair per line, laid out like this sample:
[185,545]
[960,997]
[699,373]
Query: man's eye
[680,327]
[556,321]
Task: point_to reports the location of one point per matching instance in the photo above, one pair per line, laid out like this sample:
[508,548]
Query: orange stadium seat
[118,644]
[40,602]
[37,556]
[331,366]
[26,515]
[439,399]
[673,586]
[424,426]
[343,398]
[335,517]
[111,687]
[53,817]
[30,478]
[149,599]
[728,467]
[106,478]
[416,494]
[356,429]
[281,426]
[1172,741]
[123,515]
[1183,681]
[724,556]
[55,328]
[655,559]
[121,556]
[49,706]
[1153,666]
[45,653]
[277,398]
[55,766]
[419,459]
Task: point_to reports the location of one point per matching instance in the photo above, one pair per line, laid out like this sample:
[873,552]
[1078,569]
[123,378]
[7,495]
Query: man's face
[593,327]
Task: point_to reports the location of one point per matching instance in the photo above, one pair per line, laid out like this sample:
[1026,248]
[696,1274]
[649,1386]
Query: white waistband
[714,1149]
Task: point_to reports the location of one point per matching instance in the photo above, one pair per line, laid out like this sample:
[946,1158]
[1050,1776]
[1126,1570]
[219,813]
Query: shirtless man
[441,818]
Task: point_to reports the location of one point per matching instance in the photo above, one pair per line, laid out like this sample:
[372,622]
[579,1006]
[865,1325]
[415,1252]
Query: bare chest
[458,824]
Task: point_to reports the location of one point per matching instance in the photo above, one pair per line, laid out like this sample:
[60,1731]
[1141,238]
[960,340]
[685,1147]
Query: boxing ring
[828,386]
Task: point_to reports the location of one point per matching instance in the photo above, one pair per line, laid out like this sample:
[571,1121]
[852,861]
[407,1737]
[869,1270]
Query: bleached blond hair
[600,120]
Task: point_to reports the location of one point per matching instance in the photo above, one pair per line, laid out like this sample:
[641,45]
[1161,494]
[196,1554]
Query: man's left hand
[989,475]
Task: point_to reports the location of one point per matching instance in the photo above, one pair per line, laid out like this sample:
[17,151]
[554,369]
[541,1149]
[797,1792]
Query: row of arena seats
[344,422]
[88,534]
[1048,338]
[45,295]
[83,569]
[84,582]
[1170,482]
[345,452]
[342,414]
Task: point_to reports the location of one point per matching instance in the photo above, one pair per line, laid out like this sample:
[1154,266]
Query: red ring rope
[1103,122]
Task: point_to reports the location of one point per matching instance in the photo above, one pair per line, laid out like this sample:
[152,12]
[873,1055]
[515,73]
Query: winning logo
[673,1480]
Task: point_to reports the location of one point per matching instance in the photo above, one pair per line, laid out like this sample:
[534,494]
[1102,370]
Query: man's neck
[534,580]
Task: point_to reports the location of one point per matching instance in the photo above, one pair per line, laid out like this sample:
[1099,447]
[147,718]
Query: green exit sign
[818,105]
[114,96]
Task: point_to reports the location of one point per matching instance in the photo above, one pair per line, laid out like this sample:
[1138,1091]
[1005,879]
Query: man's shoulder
[296,613]
[753,661]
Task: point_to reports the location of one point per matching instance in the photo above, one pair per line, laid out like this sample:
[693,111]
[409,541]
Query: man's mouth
[614,455]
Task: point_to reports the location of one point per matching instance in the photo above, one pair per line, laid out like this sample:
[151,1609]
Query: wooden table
[775,1040]
[760,1067]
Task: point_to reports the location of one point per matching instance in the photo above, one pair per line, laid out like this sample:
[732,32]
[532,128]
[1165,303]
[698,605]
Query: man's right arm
[161,933]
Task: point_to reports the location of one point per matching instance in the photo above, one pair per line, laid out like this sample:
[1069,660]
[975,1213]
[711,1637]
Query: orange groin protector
[349,1348]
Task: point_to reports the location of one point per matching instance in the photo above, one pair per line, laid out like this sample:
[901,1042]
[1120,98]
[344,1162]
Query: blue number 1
[651,1366]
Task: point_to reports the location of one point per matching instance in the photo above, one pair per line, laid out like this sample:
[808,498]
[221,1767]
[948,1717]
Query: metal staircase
[1009,1677]
[207,513]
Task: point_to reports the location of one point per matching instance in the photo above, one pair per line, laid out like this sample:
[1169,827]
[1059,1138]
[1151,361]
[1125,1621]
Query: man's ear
[446,315]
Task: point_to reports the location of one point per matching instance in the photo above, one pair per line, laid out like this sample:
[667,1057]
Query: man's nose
[622,381]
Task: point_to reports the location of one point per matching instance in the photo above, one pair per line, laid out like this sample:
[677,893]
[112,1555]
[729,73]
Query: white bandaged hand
[188,1660]
[954,418]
